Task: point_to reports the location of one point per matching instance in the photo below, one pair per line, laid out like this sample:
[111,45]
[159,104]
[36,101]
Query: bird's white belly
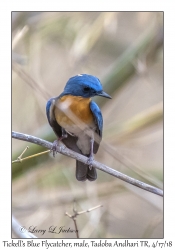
[83,142]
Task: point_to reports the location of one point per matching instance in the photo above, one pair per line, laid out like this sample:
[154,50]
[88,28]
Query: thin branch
[76,228]
[62,149]
[20,159]
[73,217]
[89,210]
[75,214]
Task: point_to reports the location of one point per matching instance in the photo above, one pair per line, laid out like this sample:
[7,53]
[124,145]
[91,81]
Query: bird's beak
[104,95]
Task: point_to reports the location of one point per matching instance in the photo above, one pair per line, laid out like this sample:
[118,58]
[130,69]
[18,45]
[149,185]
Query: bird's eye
[86,89]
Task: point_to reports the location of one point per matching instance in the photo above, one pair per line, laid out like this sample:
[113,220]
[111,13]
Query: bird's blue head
[84,85]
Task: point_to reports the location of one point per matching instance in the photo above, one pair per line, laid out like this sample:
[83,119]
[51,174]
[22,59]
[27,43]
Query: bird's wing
[99,124]
[51,117]
[70,141]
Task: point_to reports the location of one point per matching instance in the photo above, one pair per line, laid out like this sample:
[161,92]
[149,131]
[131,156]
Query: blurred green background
[125,51]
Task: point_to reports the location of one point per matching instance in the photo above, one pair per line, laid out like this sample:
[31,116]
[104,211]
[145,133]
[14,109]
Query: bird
[77,121]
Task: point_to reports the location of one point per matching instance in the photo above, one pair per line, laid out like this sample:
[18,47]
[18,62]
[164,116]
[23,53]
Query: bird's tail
[83,172]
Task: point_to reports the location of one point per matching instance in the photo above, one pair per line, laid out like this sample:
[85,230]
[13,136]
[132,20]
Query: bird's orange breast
[71,111]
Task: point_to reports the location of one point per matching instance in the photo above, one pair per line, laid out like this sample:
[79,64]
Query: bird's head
[84,85]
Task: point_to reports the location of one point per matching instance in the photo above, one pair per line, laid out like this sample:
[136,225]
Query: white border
[5,92]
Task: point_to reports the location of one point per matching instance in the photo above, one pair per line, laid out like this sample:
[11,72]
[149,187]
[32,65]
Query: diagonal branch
[68,152]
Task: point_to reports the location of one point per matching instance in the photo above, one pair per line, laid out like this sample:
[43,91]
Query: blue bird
[77,120]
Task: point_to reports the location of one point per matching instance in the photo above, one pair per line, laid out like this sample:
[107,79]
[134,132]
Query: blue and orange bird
[77,120]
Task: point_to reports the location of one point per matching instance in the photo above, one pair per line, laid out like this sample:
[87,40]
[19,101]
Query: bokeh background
[125,51]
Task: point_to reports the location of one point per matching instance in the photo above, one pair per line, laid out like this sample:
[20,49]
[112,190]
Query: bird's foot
[56,144]
[55,147]
[90,161]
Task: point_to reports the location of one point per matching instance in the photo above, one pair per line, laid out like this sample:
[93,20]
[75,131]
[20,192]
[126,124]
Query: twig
[20,159]
[65,151]
[89,210]
[74,216]
[76,228]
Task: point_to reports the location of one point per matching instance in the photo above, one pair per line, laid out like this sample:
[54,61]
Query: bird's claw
[55,147]
[90,161]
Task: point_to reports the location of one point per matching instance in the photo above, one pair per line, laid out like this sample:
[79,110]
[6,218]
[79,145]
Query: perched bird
[77,120]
